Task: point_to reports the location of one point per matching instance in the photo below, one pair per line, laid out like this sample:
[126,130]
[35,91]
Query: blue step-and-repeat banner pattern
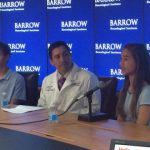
[96,32]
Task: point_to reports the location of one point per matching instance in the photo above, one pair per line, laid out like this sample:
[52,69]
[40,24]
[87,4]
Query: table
[94,135]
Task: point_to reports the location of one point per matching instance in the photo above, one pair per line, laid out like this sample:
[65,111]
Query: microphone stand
[92,117]
[90,104]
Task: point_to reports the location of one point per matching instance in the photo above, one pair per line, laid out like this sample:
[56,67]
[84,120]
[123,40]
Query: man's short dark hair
[5,48]
[55,45]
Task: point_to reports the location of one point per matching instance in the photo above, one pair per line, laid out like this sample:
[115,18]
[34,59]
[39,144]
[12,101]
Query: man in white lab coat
[67,83]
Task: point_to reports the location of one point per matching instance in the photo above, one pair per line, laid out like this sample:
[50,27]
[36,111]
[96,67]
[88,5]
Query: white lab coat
[77,83]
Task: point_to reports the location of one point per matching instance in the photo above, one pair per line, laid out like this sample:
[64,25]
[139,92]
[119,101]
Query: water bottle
[53,117]
[4,101]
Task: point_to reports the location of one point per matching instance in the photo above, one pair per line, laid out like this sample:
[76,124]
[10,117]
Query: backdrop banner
[95,31]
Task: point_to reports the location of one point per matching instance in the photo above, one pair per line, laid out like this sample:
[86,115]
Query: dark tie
[61,82]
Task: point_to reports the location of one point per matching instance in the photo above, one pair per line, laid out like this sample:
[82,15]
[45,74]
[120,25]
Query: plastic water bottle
[4,101]
[53,117]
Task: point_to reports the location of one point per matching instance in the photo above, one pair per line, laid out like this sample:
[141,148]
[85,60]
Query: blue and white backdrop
[95,31]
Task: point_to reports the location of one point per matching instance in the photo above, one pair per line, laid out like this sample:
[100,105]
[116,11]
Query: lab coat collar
[72,78]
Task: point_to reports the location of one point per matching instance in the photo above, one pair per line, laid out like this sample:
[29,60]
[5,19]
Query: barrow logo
[59,4]
[28,68]
[17,47]
[85,68]
[12,6]
[70,45]
[80,25]
[27,26]
[108,48]
[124,24]
[148,47]
[116,73]
[107,3]
[148,2]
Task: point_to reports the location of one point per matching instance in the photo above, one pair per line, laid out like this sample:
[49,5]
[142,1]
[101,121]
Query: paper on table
[22,109]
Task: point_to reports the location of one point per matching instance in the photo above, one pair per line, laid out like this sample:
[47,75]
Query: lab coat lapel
[55,95]
[54,82]
[72,77]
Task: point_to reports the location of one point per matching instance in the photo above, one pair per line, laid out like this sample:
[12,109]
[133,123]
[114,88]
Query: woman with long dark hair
[134,100]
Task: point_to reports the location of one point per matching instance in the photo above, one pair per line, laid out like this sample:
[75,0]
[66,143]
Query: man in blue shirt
[12,84]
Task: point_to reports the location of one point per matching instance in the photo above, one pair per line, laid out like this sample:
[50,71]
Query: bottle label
[53,117]
[4,103]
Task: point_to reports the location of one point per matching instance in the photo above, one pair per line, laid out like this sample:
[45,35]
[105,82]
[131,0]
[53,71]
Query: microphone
[96,116]
[101,85]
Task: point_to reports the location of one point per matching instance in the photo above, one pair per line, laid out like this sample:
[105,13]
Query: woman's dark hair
[55,45]
[5,48]
[142,59]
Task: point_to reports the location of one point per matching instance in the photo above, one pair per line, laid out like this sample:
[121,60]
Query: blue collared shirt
[13,85]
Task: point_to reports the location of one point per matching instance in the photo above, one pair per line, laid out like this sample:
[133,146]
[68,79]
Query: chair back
[108,96]
[31,81]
